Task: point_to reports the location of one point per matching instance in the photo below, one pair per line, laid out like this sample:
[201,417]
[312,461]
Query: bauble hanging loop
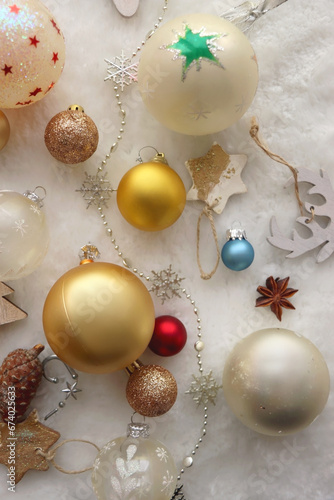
[237,254]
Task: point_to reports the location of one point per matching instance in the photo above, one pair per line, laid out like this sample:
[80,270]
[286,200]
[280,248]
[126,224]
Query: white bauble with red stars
[32,52]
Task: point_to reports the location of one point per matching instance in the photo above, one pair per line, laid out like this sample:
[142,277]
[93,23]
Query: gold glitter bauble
[151,196]
[71,136]
[4,130]
[98,317]
[151,390]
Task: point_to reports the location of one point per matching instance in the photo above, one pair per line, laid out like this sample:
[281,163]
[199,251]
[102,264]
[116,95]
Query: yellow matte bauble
[98,317]
[198,74]
[4,130]
[276,381]
[151,196]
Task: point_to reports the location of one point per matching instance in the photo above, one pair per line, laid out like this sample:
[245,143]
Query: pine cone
[22,370]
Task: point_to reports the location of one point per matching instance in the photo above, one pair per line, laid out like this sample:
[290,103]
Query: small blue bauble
[237,254]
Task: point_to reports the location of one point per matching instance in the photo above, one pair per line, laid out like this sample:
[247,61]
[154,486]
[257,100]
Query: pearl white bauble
[24,236]
[198,74]
[276,381]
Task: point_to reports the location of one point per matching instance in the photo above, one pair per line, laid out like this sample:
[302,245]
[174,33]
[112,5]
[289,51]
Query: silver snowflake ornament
[96,190]
[122,70]
[204,389]
[166,284]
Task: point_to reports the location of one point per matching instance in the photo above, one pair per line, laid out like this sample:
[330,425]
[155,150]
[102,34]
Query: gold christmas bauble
[151,196]
[276,381]
[71,136]
[198,74]
[98,317]
[4,130]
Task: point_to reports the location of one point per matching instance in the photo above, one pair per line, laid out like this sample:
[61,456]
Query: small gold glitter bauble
[151,390]
[4,130]
[98,317]
[151,196]
[71,136]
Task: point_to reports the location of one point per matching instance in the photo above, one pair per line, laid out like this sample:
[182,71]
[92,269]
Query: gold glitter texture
[27,436]
[151,390]
[71,137]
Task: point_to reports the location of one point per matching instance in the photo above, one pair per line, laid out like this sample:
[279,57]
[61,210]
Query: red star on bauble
[54,24]
[55,57]
[35,92]
[33,41]
[7,69]
[14,8]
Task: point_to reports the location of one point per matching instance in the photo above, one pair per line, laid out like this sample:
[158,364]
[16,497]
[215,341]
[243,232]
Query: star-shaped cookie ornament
[18,447]
[216,176]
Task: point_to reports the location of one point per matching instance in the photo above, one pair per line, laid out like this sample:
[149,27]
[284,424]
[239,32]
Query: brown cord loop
[254,133]
[308,221]
[50,455]
[207,211]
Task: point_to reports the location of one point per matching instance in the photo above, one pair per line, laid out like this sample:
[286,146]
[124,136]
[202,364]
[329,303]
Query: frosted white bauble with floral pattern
[24,235]
[134,467]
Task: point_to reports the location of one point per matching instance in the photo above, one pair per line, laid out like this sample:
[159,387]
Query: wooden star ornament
[20,443]
[216,176]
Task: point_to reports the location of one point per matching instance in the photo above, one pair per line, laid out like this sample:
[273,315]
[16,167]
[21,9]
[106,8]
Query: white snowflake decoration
[162,454]
[20,226]
[122,70]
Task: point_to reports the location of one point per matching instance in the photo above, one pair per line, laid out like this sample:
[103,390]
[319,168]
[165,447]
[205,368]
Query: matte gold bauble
[4,130]
[98,317]
[197,74]
[276,381]
[151,196]
[151,390]
[71,136]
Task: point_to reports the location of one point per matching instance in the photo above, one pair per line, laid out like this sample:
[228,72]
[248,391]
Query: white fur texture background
[294,106]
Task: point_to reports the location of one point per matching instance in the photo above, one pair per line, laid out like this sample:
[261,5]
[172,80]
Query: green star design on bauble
[193,48]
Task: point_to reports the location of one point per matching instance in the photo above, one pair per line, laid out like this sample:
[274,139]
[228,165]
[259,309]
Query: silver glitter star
[166,284]
[204,389]
[96,190]
[121,70]
[71,390]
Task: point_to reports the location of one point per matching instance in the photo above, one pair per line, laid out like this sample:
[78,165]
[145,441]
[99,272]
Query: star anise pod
[275,294]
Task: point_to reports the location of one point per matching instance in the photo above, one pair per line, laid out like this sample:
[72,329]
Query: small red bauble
[169,336]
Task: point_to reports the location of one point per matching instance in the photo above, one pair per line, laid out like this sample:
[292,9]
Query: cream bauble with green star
[198,74]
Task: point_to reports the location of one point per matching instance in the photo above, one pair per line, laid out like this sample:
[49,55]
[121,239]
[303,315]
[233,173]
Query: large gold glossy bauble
[276,381]
[151,196]
[198,74]
[98,317]
[4,130]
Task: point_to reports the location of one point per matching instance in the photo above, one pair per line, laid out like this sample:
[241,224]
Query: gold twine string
[207,211]
[254,133]
[50,455]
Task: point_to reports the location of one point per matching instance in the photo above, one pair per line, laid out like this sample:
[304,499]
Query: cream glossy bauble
[24,235]
[98,317]
[136,467]
[276,381]
[198,74]
[32,52]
